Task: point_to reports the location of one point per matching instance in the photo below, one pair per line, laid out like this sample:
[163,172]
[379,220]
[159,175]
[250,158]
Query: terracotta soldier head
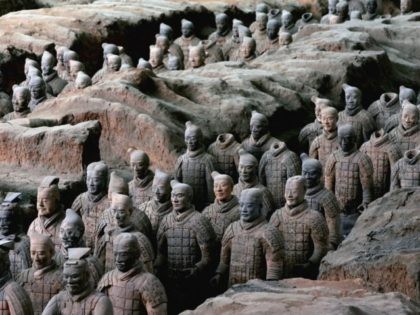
[20,99]
[163,43]
[250,204]
[174,63]
[32,72]
[156,56]
[222,23]
[197,56]
[139,162]
[166,30]
[295,191]
[126,251]
[193,136]
[329,119]
[75,66]
[247,49]
[258,125]
[30,63]
[222,186]
[342,11]
[262,8]
[353,98]
[76,272]
[42,250]
[409,115]
[113,62]
[346,138]
[37,87]
[286,19]
[311,171]
[117,184]
[261,18]
[187,28]
[407,94]
[69,55]
[10,214]
[72,230]
[285,38]
[406,6]
[371,6]
[144,64]
[47,63]
[82,80]
[122,208]
[320,104]
[248,166]
[181,196]
[273,27]
[109,49]
[48,198]
[60,54]
[161,186]
[235,27]
[332,6]
[97,178]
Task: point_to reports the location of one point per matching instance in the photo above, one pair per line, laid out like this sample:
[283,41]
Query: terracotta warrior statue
[407,134]
[74,67]
[223,31]
[140,188]
[79,295]
[260,32]
[251,248]
[231,47]
[44,279]
[306,19]
[305,232]
[187,38]
[342,13]
[126,60]
[225,208]
[260,139]
[61,68]
[276,166]
[82,81]
[13,298]
[20,100]
[118,185]
[196,56]
[382,109]
[174,63]
[271,42]
[174,49]
[285,39]
[248,178]
[131,289]
[49,75]
[372,10]
[322,200]
[121,207]
[91,204]
[5,102]
[259,8]
[406,6]
[108,48]
[406,172]
[11,230]
[404,94]
[327,142]
[156,59]
[247,50]
[314,129]
[30,64]
[113,64]
[159,206]
[384,154]
[332,10]
[38,91]
[186,248]
[354,114]
[195,166]
[67,56]
[225,151]
[144,64]
[72,230]
[348,174]
[50,211]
